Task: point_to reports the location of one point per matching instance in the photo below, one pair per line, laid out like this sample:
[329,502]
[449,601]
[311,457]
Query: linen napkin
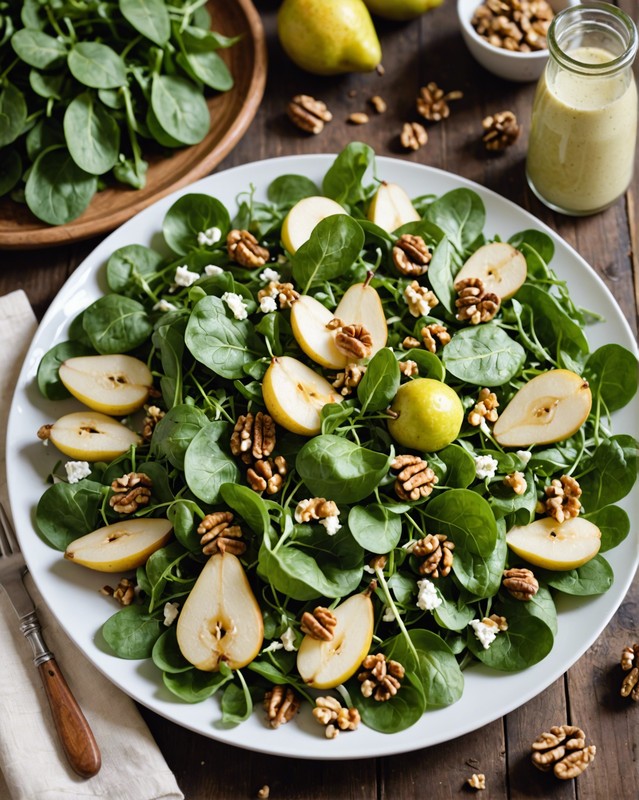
[32,763]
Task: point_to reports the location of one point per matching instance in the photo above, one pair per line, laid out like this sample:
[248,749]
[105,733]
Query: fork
[76,736]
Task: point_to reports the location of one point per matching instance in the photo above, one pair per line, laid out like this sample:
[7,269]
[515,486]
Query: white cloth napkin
[32,763]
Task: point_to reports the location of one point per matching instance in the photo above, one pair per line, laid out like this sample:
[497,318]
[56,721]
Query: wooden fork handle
[76,736]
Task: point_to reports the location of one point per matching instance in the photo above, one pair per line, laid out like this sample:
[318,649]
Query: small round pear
[429,415]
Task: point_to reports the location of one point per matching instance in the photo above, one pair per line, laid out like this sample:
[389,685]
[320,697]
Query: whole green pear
[401,9]
[329,37]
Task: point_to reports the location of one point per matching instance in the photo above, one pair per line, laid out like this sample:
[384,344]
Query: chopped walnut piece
[477,781]
[315,508]
[153,416]
[413,136]
[308,114]
[494,620]
[520,583]
[130,492]
[380,678]
[253,435]
[563,498]
[245,250]
[357,118]
[517,482]
[562,750]
[331,713]
[474,304]
[411,255]
[419,299]
[630,684]
[264,793]
[437,552]
[484,409]
[378,103]
[432,102]
[124,592]
[434,334]
[267,474]
[411,343]
[629,655]
[334,324]
[285,293]
[281,705]
[415,479]
[320,624]
[354,341]
[349,379]
[500,130]
[44,432]
[408,368]
[219,535]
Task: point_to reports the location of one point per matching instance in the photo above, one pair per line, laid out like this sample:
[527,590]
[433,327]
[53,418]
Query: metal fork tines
[76,737]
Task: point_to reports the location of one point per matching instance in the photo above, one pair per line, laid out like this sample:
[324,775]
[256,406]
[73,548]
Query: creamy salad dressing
[583,133]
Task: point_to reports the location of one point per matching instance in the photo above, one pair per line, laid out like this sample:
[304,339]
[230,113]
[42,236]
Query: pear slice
[548,544]
[303,217]
[113,384]
[221,619]
[294,395]
[361,305]
[120,547]
[324,665]
[309,319]
[501,267]
[391,207]
[549,408]
[91,436]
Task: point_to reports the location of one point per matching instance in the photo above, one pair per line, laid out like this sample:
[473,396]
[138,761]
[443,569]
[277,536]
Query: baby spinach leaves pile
[86,87]
[209,367]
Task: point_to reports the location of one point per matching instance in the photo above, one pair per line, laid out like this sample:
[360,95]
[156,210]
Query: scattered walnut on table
[308,114]
[563,750]
[501,130]
[413,136]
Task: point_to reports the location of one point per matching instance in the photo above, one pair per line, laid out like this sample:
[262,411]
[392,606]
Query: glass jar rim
[563,18]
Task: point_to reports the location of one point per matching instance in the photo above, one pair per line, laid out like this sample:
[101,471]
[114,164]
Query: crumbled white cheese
[418,303]
[164,306]
[236,303]
[270,275]
[288,639]
[524,456]
[170,613]
[427,597]
[76,470]
[209,237]
[184,276]
[273,646]
[268,304]
[485,467]
[485,633]
[388,615]
[332,525]
[212,270]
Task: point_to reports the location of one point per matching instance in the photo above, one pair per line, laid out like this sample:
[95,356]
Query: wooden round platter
[231,115]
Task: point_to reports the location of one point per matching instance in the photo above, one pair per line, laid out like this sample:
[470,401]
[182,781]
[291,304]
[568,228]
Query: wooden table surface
[429,49]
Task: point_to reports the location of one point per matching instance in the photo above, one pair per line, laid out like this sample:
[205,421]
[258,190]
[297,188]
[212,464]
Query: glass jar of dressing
[584,120]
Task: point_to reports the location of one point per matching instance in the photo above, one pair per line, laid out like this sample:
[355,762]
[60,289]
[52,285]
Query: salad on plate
[336,446]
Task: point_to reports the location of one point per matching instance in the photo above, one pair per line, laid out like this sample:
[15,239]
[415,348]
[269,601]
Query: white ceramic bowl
[506,64]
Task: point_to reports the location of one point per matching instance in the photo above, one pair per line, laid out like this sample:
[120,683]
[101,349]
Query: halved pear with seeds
[295,395]
[557,546]
[309,320]
[221,620]
[90,436]
[324,665]
[391,207]
[122,546]
[112,384]
[549,408]
[501,267]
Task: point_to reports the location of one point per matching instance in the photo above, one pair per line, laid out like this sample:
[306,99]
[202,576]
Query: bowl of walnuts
[508,37]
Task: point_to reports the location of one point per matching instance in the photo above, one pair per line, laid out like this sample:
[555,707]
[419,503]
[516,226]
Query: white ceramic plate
[72,593]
